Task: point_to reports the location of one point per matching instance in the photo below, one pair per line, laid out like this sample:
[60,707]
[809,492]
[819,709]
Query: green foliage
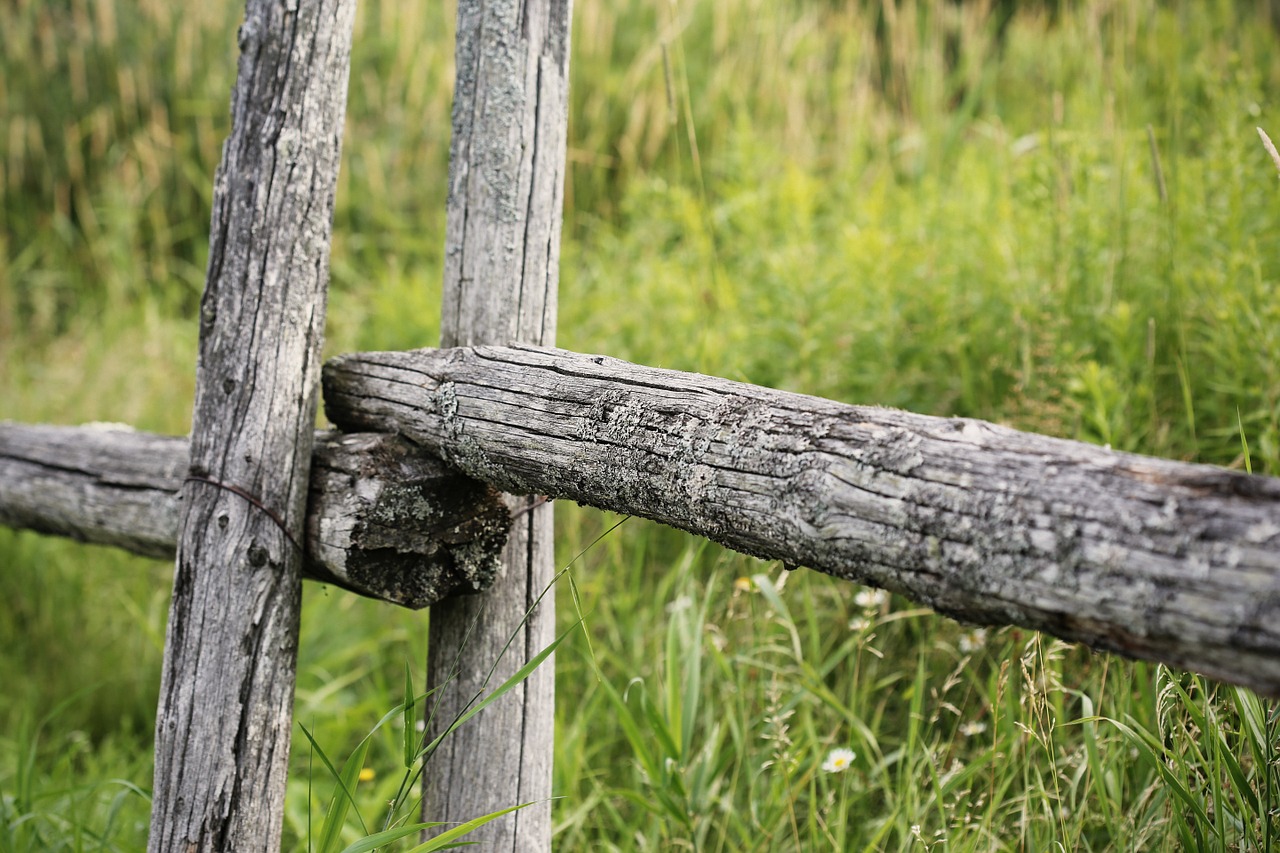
[62,790]
[1070,229]
[416,753]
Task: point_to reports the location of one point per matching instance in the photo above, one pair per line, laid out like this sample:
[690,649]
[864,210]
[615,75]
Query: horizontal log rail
[1146,557]
[384,519]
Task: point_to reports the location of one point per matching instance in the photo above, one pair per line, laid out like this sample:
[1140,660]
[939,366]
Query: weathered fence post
[226,696]
[506,179]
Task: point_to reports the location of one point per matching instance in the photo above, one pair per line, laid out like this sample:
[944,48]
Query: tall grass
[1070,229]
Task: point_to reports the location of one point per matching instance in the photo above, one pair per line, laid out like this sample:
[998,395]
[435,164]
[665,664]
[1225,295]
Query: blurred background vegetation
[1055,215]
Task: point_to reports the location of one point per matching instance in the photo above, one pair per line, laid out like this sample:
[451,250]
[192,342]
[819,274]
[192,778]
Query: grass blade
[519,676]
[410,724]
[446,839]
[378,839]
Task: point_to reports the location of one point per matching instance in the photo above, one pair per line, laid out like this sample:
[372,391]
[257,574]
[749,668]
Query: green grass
[759,190]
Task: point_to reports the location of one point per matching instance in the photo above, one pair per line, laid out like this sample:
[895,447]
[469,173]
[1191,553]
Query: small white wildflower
[838,760]
[956,767]
[858,624]
[973,640]
[870,599]
[684,602]
[975,727]
[421,725]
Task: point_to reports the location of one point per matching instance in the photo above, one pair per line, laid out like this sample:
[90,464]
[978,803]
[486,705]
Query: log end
[405,527]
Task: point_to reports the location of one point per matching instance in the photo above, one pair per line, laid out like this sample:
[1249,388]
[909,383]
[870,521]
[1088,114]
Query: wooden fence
[384,518]
[1153,559]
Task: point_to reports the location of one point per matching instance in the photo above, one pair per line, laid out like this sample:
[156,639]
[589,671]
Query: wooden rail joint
[385,518]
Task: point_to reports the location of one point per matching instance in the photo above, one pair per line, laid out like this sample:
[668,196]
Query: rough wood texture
[384,519]
[100,483]
[502,251]
[1146,557]
[226,695]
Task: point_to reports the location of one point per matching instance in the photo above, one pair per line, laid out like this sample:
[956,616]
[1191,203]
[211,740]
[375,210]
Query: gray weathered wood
[1150,558]
[226,695]
[506,178]
[100,483]
[384,518]
[387,520]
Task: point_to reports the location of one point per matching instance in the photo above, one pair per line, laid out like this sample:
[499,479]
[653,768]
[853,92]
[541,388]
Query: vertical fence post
[226,697]
[506,189]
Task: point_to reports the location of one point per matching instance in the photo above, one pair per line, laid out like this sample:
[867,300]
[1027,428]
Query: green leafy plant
[985,235]
[416,753]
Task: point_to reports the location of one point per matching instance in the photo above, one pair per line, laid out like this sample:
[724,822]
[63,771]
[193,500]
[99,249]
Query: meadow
[1070,228]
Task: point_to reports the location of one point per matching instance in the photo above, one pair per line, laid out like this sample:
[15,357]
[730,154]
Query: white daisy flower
[838,760]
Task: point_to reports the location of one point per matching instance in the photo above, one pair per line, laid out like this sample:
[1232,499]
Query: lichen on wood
[1147,557]
[386,516]
[501,269]
[385,519]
